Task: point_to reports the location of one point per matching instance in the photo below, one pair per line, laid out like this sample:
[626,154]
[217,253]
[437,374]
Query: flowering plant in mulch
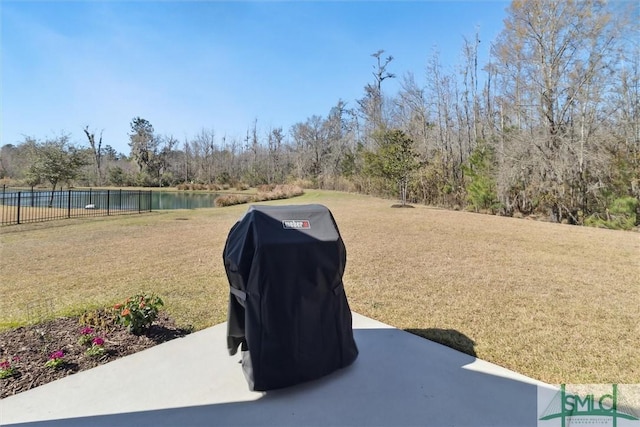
[86,336]
[56,360]
[8,367]
[97,347]
[138,312]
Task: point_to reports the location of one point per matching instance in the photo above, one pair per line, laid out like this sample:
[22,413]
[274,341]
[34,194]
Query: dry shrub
[265,188]
[241,186]
[302,183]
[102,318]
[188,186]
[279,192]
[339,183]
[232,199]
[8,182]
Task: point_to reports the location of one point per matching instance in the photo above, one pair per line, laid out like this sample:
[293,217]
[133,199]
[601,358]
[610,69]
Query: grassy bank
[555,302]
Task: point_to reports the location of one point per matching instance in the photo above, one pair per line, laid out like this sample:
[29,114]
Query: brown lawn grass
[27,214]
[556,302]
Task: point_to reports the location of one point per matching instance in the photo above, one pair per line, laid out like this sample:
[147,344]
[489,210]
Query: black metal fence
[20,207]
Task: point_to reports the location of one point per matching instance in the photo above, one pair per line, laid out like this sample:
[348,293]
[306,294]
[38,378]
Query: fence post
[108,202]
[68,204]
[18,213]
[139,200]
[150,200]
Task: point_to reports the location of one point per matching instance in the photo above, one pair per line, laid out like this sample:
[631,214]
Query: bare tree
[371,105]
[312,148]
[96,151]
[442,91]
[203,148]
[561,48]
[341,137]
[412,111]
[471,101]
[275,170]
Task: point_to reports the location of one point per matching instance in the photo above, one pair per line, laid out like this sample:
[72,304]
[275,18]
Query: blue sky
[188,66]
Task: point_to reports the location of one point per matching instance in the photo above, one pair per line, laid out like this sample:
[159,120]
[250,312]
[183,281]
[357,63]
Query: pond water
[117,199]
[161,200]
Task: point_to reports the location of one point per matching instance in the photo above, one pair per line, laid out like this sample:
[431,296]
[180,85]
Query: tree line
[549,126]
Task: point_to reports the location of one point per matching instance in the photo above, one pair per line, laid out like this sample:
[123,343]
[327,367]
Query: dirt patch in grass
[27,349]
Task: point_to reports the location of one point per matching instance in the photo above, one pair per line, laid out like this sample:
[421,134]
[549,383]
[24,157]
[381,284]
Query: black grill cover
[287,306]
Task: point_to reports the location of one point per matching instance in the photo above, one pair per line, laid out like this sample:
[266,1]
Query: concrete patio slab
[399,379]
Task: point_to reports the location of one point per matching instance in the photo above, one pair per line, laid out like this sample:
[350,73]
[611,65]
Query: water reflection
[161,200]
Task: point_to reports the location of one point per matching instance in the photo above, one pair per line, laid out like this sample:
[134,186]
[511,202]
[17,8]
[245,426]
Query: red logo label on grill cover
[296,224]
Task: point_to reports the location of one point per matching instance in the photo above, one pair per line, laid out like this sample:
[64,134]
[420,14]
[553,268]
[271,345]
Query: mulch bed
[32,345]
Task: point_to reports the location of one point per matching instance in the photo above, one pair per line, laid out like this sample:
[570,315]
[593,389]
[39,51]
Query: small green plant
[94,343]
[481,183]
[621,215]
[56,360]
[86,336]
[138,312]
[97,348]
[8,367]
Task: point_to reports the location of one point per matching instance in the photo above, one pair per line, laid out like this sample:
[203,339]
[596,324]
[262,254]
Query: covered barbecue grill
[287,307]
